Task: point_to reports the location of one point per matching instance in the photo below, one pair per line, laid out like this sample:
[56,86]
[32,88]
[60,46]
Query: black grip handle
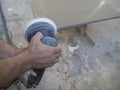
[33,81]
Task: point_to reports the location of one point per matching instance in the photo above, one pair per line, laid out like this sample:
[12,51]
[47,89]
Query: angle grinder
[48,29]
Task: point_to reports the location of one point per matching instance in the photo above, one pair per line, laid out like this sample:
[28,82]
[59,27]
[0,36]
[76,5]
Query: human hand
[41,55]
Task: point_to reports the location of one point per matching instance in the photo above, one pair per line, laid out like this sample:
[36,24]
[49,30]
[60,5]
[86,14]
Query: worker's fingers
[56,58]
[42,66]
[57,50]
[57,55]
[37,36]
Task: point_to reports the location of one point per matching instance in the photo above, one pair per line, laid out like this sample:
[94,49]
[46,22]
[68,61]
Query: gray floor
[81,66]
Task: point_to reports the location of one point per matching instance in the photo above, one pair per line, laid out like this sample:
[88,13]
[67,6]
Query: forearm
[8,51]
[13,67]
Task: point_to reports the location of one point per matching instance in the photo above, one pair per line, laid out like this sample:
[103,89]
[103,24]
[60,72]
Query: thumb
[37,36]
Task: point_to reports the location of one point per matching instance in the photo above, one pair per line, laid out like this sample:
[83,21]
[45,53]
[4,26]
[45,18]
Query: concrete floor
[81,66]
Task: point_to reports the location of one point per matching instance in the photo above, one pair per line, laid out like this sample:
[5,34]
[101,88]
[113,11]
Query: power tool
[48,29]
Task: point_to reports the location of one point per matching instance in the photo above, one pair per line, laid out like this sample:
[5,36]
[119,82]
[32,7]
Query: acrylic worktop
[70,13]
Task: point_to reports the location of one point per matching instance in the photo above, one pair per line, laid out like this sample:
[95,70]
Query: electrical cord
[9,38]
[8,34]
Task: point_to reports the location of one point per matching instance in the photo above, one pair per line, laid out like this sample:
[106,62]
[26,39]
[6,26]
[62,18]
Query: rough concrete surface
[81,66]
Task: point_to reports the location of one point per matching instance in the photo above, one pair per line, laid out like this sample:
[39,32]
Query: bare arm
[11,68]
[7,50]
[36,55]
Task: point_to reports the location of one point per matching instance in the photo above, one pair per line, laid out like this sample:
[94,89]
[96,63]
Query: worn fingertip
[39,34]
[58,50]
